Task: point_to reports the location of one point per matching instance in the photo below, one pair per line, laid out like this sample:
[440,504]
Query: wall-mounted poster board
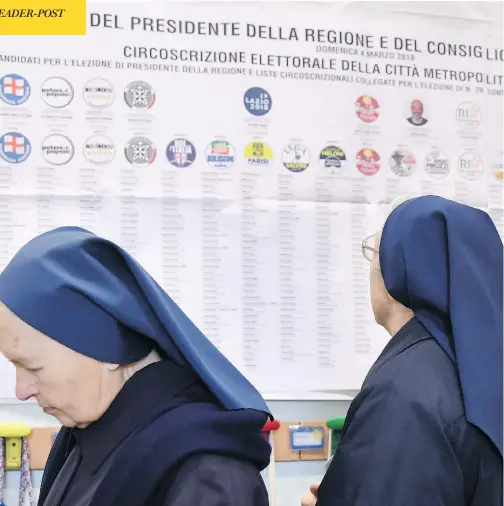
[241,155]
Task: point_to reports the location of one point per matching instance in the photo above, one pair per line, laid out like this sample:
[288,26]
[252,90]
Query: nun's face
[388,312]
[75,389]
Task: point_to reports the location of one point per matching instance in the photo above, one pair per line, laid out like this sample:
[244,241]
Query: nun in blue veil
[152,413]
[426,428]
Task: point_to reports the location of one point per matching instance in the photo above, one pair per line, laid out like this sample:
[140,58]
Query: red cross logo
[12,142]
[12,87]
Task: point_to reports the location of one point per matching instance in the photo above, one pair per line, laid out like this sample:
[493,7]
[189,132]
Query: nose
[25,385]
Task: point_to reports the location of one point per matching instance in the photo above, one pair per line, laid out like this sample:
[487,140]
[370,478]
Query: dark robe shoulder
[213,480]
[406,440]
[164,428]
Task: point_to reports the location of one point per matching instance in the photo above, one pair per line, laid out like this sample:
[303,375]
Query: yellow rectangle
[42,17]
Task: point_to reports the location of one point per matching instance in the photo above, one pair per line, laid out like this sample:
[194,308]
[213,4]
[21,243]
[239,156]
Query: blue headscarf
[91,296]
[444,261]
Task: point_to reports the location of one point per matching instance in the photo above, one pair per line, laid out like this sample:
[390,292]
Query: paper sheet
[242,155]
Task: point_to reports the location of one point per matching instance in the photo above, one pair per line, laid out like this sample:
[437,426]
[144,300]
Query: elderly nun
[426,428]
[152,413]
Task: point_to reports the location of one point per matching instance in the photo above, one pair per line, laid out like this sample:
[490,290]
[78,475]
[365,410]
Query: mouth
[49,411]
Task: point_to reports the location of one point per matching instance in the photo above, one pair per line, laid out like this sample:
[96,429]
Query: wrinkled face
[74,388]
[381,302]
[416,109]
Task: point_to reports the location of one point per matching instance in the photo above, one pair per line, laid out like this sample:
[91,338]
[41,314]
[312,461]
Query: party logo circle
[14,147]
[257,101]
[57,92]
[402,162]
[296,157]
[368,161]
[468,115]
[437,164]
[57,149]
[181,153]
[99,93]
[470,166]
[140,151]
[258,154]
[367,108]
[99,150]
[139,95]
[498,167]
[14,89]
[332,159]
[220,154]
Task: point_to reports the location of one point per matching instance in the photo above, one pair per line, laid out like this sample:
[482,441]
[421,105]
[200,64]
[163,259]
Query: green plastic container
[335,425]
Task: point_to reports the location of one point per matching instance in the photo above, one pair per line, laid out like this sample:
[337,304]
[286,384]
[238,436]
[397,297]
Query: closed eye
[22,366]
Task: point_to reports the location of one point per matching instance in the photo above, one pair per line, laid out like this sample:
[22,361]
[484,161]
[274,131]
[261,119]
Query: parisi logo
[42,17]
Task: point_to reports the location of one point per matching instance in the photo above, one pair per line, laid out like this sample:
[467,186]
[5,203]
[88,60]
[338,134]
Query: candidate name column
[181,243]
[328,237]
[360,275]
[259,251]
[297,290]
[173,260]
[369,338]
[221,266]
